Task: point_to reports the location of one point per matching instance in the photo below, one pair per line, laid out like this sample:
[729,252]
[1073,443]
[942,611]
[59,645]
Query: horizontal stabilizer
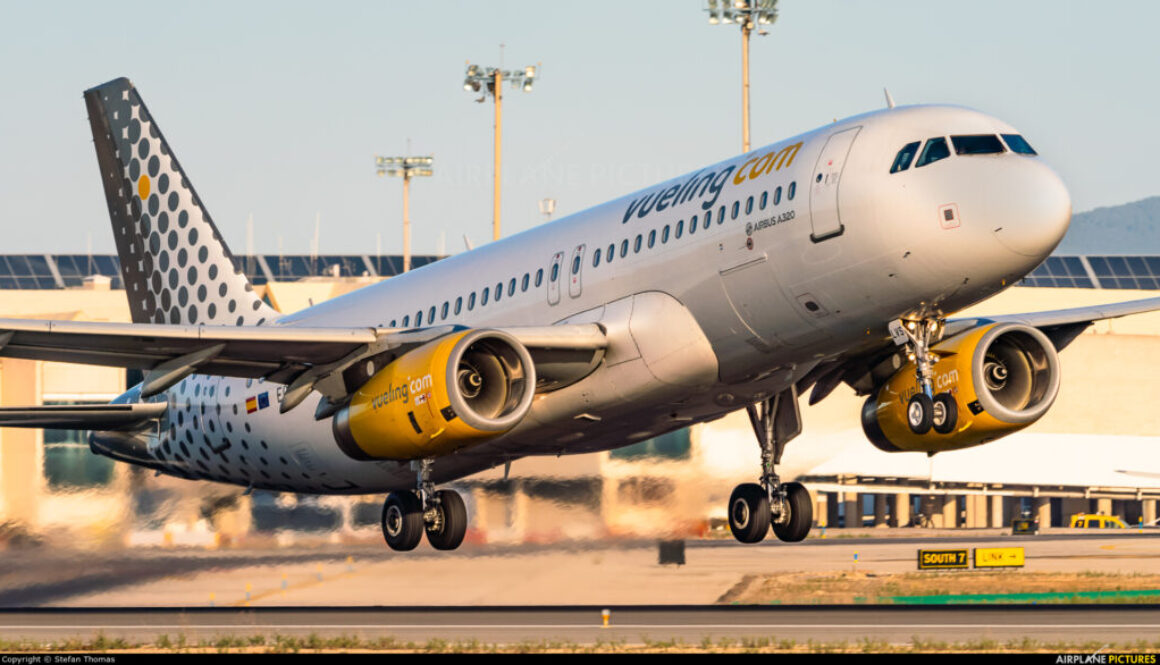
[81,416]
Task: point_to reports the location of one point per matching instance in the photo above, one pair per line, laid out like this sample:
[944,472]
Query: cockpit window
[904,158]
[977,144]
[1018,144]
[934,150]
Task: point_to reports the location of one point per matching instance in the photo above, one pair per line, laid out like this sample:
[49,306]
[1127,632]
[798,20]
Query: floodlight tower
[489,81]
[747,14]
[405,168]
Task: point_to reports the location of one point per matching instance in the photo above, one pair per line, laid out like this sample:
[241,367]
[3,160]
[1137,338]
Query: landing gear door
[574,269]
[825,182]
[554,278]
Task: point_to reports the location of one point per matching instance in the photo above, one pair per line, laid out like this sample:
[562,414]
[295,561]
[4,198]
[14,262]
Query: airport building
[1096,451]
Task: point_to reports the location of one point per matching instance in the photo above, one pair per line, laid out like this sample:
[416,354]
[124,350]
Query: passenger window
[483,297]
[555,272]
[524,284]
[1018,144]
[652,238]
[539,277]
[392,323]
[407,321]
[777,196]
[596,257]
[458,305]
[764,200]
[512,287]
[681,227]
[720,215]
[977,144]
[471,301]
[737,208]
[665,234]
[498,292]
[445,309]
[934,150]
[636,244]
[791,191]
[431,315]
[611,253]
[904,157]
[576,264]
[693,224]
[419,318]
[623,248]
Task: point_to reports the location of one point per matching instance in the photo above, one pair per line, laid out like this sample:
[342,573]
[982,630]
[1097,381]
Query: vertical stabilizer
[176,266]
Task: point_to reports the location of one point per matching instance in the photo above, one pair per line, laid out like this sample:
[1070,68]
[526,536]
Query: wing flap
[81,416]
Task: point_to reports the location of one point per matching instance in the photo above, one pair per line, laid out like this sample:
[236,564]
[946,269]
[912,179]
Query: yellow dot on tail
[143,187]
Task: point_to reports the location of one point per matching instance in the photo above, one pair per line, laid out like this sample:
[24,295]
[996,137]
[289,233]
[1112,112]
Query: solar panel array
[57,271]
[1103,272]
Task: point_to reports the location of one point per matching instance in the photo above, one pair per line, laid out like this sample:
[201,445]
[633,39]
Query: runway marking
[704,626]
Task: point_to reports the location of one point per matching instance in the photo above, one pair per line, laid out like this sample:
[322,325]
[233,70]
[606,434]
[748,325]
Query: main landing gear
[925,410]
[787,507]
[407,515]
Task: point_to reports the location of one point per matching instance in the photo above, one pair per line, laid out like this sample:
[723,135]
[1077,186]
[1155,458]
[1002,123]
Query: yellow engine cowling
[1002,377]
[456,391]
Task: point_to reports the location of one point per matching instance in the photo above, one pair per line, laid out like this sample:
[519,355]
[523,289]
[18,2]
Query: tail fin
[176,266]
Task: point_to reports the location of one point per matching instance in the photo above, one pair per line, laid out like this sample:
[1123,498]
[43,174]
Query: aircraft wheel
[919,412]
[796,525]
[945,413]
[451,524]
[402,521]
[749,513]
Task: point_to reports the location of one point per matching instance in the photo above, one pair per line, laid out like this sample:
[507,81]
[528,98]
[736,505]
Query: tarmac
[577,574]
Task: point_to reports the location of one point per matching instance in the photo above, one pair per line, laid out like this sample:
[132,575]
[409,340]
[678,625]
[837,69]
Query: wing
[1062,326]
[81,416]
[302,358]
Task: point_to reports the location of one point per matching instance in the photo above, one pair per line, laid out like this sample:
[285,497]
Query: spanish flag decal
[251,404]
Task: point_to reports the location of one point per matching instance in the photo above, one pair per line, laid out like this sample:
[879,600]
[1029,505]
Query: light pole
[405,168]
[747,14]
[489,81]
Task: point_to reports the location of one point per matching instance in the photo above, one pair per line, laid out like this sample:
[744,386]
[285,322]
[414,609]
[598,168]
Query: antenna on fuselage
[889,99]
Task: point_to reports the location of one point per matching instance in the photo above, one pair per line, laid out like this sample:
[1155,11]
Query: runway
[568,574]
[583,625]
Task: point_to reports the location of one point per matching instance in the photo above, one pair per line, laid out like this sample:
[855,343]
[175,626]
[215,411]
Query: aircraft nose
[1036,208]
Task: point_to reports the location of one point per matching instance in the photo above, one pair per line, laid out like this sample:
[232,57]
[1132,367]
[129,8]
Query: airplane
[835,256]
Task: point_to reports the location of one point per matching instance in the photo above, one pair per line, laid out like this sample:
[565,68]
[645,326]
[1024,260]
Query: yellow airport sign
[941,559]
[999,557]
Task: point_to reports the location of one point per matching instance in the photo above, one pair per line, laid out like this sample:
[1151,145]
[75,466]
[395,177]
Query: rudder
[175,264]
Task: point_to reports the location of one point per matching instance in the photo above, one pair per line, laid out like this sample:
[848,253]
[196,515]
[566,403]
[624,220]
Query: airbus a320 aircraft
[833,256]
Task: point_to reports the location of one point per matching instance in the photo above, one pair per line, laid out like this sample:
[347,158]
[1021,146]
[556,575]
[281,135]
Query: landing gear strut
[407,515]
[754,508]
[925,410]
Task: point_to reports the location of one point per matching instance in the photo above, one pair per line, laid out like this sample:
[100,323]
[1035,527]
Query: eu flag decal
[263,400]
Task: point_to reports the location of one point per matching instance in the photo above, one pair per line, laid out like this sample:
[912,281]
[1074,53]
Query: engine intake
[456,391]
[1001,377]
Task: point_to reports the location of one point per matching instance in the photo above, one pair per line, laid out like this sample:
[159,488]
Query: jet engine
[988,382]
[459,390]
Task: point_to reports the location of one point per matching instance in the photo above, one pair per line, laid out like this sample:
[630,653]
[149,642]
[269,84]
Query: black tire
[795,526]
[944,413]
[749,513]
[919,412]
[402,521]
[448,532]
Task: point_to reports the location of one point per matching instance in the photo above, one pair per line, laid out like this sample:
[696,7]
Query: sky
[277,109]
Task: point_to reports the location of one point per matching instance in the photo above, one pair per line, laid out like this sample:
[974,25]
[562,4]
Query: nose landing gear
[407,515]
[787,507]
[926,410]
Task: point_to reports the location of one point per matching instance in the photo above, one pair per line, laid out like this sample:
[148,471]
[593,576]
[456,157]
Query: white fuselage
[699,323]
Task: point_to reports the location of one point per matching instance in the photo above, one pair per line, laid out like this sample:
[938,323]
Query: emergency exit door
[825,216]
